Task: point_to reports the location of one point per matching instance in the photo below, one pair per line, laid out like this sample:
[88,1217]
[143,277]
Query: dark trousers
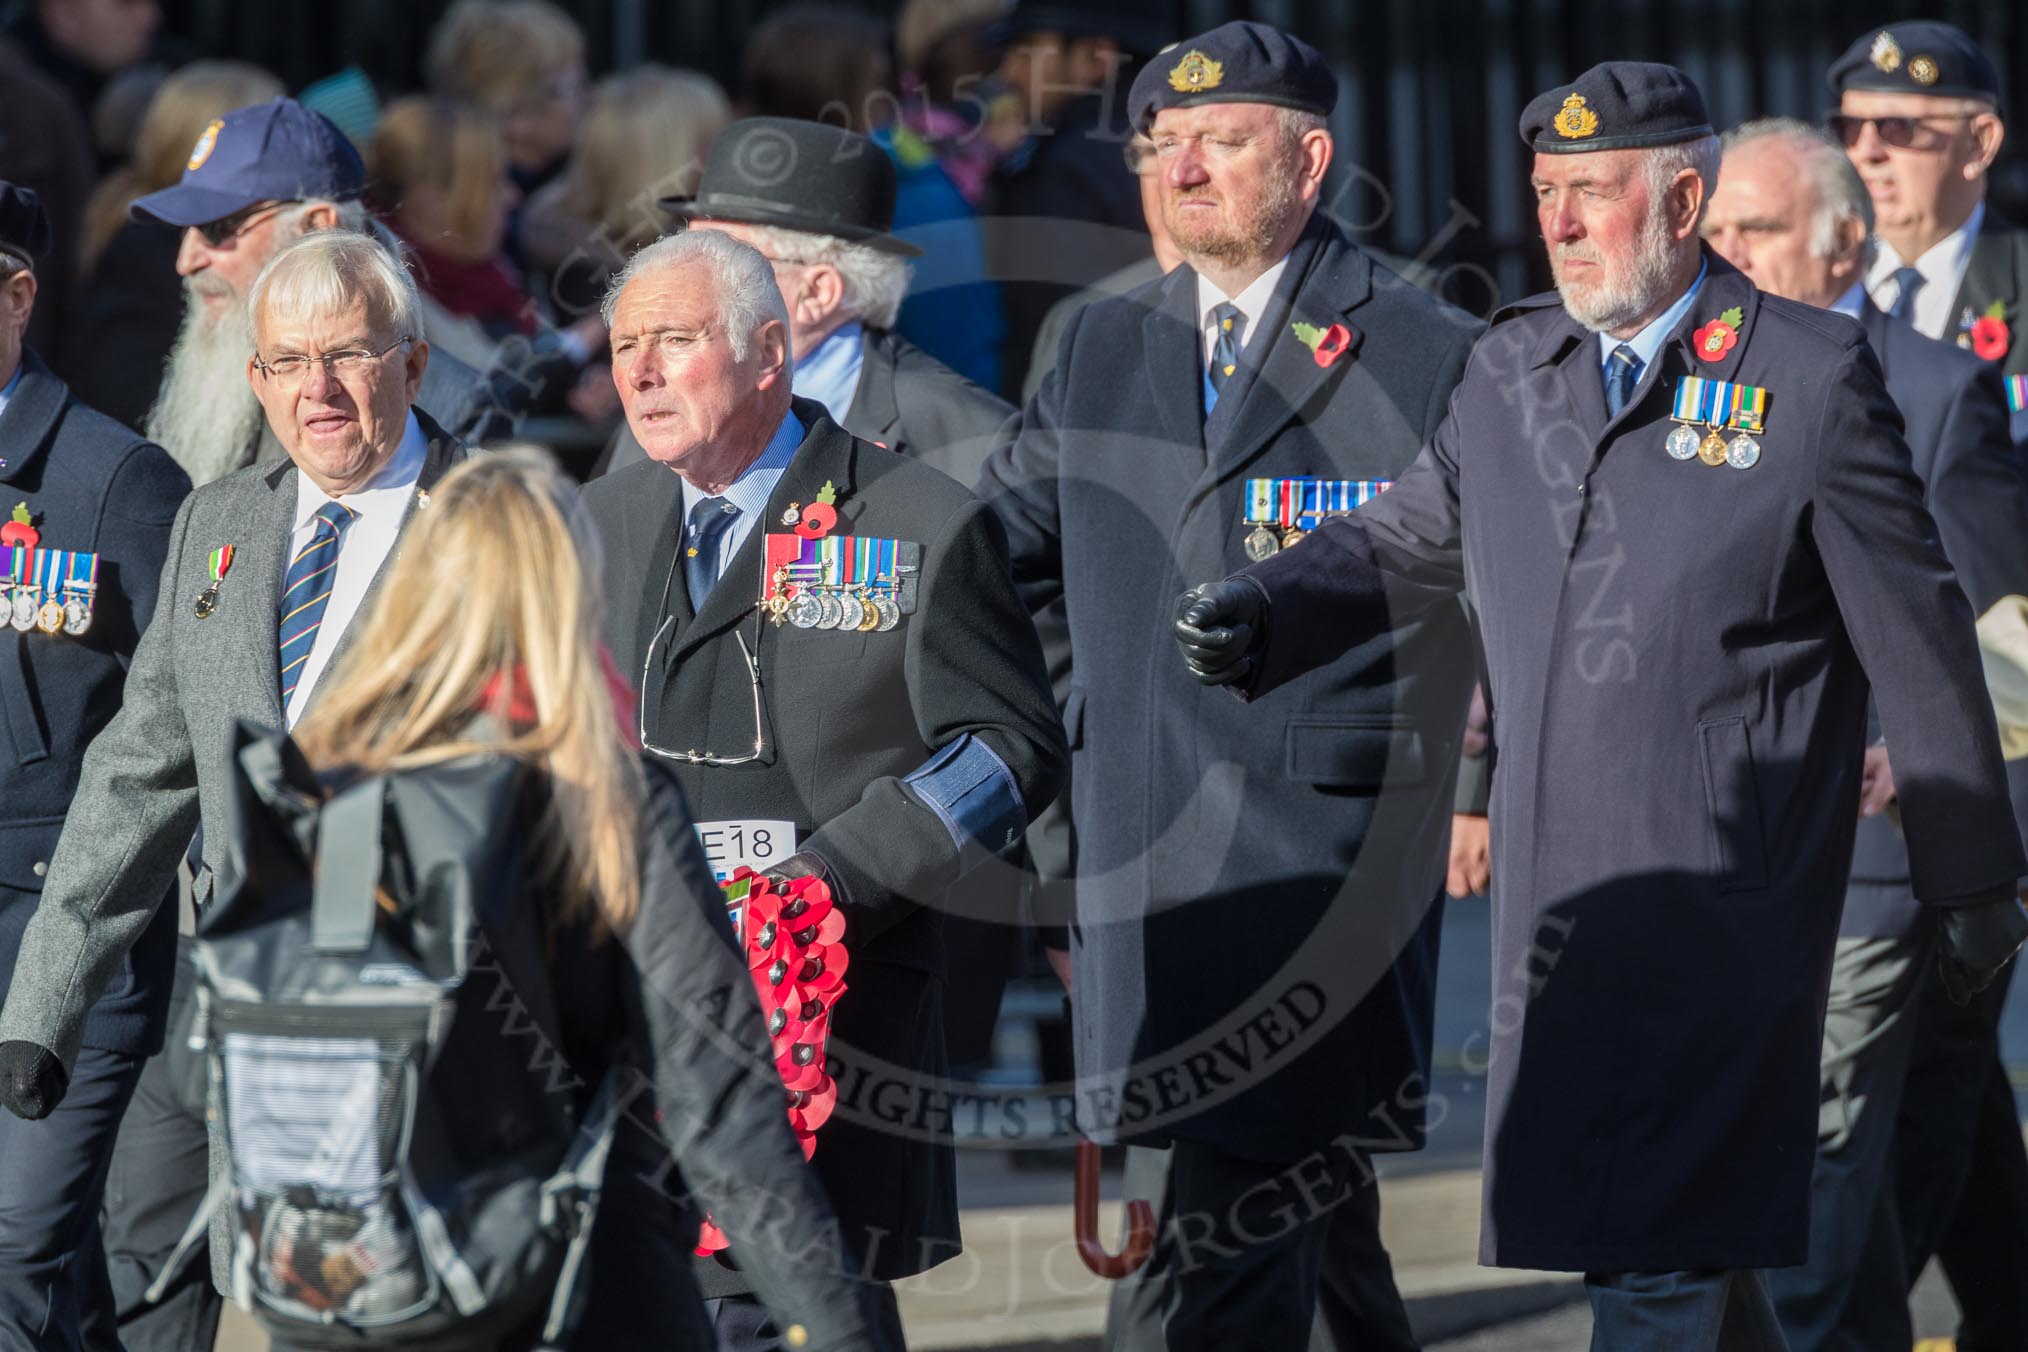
[1962,1174]
[1852,1292]
[54,1294]
[1258,1255]
[159,1176]
[1681,1312]
[742,1323]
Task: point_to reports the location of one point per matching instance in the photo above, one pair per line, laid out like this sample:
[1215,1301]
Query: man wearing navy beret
[1684,513]
[87,506]
[1267,879]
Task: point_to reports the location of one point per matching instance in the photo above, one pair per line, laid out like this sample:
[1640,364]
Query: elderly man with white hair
[1792,213]
[835,664]
[818,202]
[1685,515]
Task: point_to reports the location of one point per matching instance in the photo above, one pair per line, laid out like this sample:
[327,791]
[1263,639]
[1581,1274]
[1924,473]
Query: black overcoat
[1255,949]
[90,484]
[845,716]
[1680,655]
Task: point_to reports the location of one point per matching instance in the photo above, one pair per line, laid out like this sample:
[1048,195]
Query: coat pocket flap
[26,847]
[1355,753]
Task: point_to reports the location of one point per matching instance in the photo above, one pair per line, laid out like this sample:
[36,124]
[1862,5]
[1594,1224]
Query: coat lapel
[263,555]
[1174,364]
[1874,321]
[1992,274]
[1327,279]
[875,414]
[31,415]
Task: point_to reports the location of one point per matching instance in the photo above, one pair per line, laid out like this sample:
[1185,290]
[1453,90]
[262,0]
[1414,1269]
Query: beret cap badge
[207,141]
[1886,53]
[1196,72]
[1922,70]
[1575,120]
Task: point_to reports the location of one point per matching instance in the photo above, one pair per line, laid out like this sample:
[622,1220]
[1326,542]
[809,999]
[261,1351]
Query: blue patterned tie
[1907,281]
[306,590]
[1230,327]
[1623,372]
[710,519]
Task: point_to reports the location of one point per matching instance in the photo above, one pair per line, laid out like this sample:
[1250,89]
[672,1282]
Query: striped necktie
[1907,282]
[306,589]
[1231,326]
[1623,372]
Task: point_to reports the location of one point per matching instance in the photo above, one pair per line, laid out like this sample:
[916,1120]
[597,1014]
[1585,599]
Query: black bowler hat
[1237,62]
[797,175]
[1618,105]
[1921,56]
[1139,27]
[24,230]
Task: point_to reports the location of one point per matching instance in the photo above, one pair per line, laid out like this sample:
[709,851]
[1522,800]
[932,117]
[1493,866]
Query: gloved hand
[1976,943]
[804,864]
[1221,627]
[32,1080]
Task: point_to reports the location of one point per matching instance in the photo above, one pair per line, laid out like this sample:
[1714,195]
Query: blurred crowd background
[519,146]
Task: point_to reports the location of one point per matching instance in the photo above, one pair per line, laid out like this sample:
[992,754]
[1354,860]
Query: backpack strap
[348,868]
[570,1202]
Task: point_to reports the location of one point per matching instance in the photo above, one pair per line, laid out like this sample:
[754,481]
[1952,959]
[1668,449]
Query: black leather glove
[1221,627]
[32,1080]
[1976,943]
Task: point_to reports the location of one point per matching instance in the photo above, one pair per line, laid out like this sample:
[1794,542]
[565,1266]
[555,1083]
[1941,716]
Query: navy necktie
[1623,372]
[1229,327]
[306,591]
[710,519]
[1908,281]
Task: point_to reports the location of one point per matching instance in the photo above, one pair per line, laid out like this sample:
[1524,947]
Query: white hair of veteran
[324,272]
[875,282]
[747,295]
[1841,193]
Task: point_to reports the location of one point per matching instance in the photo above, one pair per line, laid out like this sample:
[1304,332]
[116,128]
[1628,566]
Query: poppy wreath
[793,934]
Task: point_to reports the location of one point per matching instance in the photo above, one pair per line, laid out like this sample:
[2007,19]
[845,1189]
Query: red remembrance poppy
[1990,338]
[1332,345]
[1714,340]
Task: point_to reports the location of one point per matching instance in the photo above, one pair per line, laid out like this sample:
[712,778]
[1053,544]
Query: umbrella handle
[1140,1222]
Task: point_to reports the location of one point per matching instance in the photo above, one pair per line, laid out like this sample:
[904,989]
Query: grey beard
[206,415]
[1617,302]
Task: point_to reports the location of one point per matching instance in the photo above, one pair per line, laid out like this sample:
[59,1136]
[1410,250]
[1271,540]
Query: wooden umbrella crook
[1140,1223]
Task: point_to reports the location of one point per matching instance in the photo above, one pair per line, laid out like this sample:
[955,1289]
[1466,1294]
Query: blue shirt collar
[1649,340]
[829,372]
[15,382]
[754,486]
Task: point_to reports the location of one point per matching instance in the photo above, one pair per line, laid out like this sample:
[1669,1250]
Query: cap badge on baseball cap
[207,141]
[1196,72]
[1575,120]
[1886,53]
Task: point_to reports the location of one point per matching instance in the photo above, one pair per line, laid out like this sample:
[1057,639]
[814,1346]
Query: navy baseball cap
[271,152]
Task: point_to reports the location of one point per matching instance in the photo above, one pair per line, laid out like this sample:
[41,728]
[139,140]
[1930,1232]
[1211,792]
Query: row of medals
[72,616]
[1262,543]
[1742,452]
[834,608]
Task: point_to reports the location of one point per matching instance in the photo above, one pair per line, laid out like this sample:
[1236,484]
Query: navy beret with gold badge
[1618,105]
[1921,56]
[24,229]
[1238,62]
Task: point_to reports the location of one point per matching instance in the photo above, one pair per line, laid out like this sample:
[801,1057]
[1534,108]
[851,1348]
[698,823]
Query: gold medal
[870,621]
[1293,536]
[1711,450]
[207,602]
[49,619]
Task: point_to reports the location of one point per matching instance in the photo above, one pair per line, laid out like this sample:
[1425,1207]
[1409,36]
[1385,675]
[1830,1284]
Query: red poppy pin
[1718,337]
[20,529]
[1326,345]
[1989,336]
[820,516]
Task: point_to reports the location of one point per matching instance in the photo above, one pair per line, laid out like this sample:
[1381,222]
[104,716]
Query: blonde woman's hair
[644,137]
[496,581]
[496,52]
[182,107]
[448,144]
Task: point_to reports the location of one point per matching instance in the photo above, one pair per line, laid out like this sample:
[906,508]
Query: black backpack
[406,1165]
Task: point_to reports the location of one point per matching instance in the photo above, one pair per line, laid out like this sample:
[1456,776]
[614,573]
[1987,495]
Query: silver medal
[852,611]
[833,612]
[27,600]
[1742,452]
[1682,443]
[890,613]
[77,616]
[1262,544]
[804,611]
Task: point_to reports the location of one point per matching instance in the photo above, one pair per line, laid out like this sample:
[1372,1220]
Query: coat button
[42,868]
[797,1336]
[1581,488]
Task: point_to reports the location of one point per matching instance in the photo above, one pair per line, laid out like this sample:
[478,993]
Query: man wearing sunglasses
[255,180]
[1919,114]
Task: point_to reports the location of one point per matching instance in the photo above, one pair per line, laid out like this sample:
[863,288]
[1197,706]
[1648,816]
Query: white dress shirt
[750,491]
[1252,303]
[1942,266]
[13,382]
[365,545]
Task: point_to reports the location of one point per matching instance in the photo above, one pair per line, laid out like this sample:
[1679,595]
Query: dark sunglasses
[217,234]
[1903,133]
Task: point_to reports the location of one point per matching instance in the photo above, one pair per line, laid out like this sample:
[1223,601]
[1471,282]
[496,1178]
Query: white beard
[206,415]
[1616,301]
